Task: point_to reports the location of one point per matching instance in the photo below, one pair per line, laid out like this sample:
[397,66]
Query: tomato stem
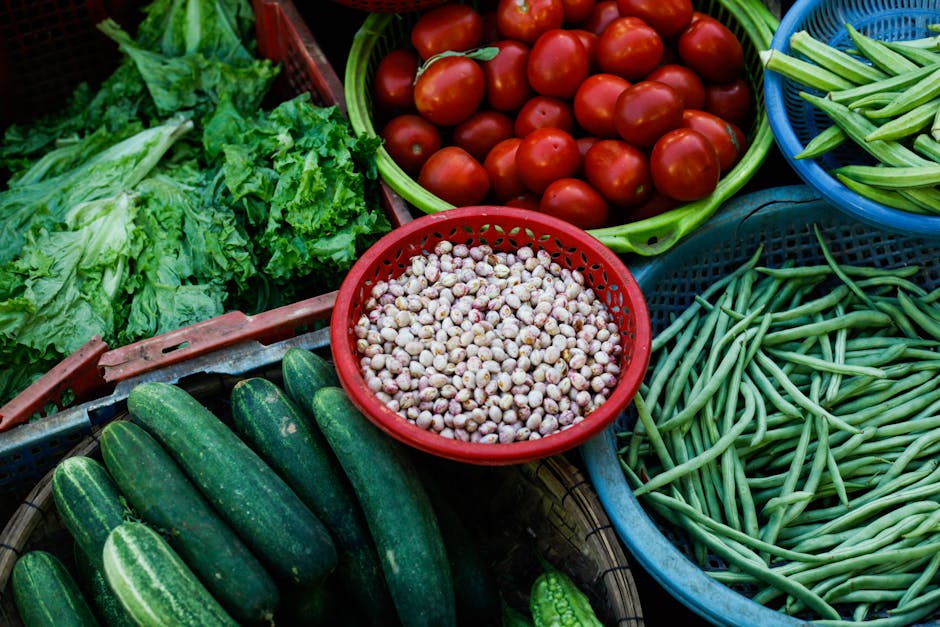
[486,53]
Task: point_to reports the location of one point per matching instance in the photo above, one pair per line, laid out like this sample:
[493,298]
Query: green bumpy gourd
[555,601]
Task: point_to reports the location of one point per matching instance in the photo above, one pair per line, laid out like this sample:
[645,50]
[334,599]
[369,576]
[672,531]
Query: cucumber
[397,510]
[104,603]
[89,503]
[278,430]
[46,594]
[304,372]
[164,497]
[154,584]
[261,508]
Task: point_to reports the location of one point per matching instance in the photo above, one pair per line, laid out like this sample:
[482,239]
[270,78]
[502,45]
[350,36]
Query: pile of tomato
[597,112]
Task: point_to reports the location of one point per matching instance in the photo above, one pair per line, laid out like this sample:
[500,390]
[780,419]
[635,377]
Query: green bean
[914,449]
[817,364]
[877,394]
[666,370]
[928,602]
[920,582]
[922,317]
[652,432]
[870,582]
[711,454]
[854,319]
[710,486]
[771,530]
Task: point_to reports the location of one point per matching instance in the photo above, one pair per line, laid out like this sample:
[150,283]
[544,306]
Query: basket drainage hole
[175,347]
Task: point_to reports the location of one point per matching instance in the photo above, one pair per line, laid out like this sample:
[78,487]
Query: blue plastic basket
[779,219]
[794,121]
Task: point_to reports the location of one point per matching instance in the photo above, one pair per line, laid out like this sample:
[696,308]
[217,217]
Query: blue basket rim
[868,211]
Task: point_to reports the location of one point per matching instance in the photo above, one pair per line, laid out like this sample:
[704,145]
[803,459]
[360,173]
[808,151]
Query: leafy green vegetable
[167,196]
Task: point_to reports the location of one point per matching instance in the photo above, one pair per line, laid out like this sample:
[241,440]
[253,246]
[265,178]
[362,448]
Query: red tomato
[723,135]
[628,47]
[507,86]
[712,50]
[645,111]
[602,15]
[410,140]
[557,64]
[451,26]
[450,90]
[589,41]
[574,201]
[454,176]
[619,171]
[585,142]
[500,165]
[594,103]
[483,130]
[667,17]
[730,101]
[684,165]
[528,200]
[393,83]
[544,112]
[546,155]
[683,80]
[525,20]
[577,11]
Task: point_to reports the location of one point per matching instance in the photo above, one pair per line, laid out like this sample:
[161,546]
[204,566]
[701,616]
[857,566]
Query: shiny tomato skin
[723,135]
[712,50]
[450,90]
[451,26]
[557,64]
[527,200]
[500,165]
[481,131]
[684,80]
[575,202]
[628,47]
[585,143]
[544,112]
[666,17]
[619,172]
[525,20]
[393,81]
[409,140]
[730,101]
[577,11]
[545,155]
[589,41]
[506,84]
[594,103]
[602,15]
[684,165]
[453,175]
[645,111]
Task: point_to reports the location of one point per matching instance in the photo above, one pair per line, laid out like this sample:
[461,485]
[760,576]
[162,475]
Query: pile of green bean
[790,426]
[885,97]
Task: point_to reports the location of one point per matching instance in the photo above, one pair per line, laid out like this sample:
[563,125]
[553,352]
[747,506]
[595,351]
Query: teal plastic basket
[779,219]
[751,21]
[795,122]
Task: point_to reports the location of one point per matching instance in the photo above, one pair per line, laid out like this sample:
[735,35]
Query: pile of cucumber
[289,508]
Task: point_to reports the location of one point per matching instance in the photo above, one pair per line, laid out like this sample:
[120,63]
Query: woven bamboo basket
[545,509]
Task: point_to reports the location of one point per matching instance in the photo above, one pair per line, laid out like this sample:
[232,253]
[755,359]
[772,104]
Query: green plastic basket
[753,24]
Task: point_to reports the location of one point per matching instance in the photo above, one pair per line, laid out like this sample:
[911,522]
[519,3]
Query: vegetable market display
[788,429]
[168,195]
[883,97]
[186,547]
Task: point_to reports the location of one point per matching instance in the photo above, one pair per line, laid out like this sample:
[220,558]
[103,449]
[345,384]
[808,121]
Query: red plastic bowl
[505,229]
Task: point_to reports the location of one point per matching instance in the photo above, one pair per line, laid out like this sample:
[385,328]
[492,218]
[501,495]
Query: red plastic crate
[45,50]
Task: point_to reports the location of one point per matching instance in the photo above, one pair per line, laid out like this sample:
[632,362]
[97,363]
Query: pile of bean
[487,346]
[790,426]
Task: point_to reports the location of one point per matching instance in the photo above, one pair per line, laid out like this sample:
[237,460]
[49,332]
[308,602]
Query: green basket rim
[650,236]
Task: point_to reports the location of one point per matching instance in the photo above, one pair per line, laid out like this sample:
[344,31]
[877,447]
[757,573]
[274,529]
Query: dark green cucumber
[304,372]
[154,584]
[397,509]
[104,602]
[89,503]
[249,495]
[46,594]
[278,430]
[163,496]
